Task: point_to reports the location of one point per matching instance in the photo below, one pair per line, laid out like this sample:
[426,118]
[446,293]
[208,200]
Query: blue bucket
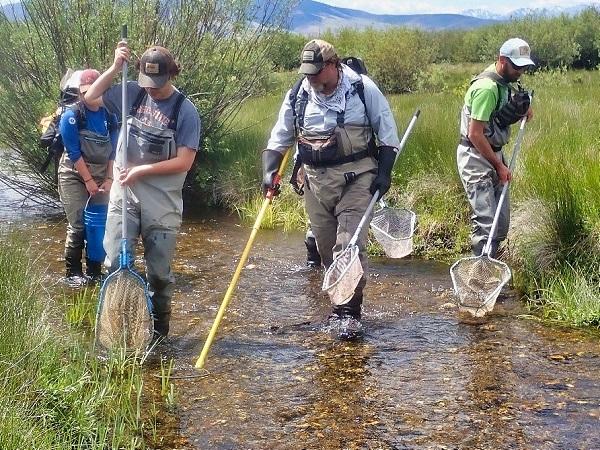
[94,219]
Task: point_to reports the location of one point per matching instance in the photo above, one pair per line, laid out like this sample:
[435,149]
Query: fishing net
[124,319]
[394,228]
[343,275]
[477,282]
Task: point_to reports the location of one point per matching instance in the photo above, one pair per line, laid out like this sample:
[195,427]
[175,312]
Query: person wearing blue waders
[491,106]
[89,133]
[163,137]
[348,142]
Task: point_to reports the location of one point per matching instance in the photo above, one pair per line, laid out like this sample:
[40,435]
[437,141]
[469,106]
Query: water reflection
[421,378]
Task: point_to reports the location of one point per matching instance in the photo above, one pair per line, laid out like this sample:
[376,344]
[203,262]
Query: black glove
[271,160]
[383,180]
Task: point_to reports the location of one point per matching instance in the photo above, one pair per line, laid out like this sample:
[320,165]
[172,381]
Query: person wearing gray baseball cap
[163,128]
[491,105]
[347,143]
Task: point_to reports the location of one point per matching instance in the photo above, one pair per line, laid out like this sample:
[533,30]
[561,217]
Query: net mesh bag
[123,319]
[342,277]
[477,282]
[394,228]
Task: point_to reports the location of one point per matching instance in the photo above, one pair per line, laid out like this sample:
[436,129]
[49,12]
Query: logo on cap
[152,68]
[524,50]
[308,56]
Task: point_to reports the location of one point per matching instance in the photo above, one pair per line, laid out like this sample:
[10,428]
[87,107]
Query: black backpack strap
[293,97]
[360,90]
[176,109]
[486,74]
[300,110]
[79,111]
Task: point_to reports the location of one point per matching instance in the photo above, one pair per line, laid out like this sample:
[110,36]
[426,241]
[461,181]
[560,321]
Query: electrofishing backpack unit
[50,138]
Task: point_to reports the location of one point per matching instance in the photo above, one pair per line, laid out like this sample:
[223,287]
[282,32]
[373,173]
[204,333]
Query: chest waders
[95,151]
[342,144]
[158,195]
[155,207]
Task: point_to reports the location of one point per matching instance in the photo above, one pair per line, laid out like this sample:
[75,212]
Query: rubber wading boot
[350,327]
[74,276]
[313,258]
[93,270]
[161,327]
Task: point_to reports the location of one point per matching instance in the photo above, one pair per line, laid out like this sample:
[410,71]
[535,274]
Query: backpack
[51,138]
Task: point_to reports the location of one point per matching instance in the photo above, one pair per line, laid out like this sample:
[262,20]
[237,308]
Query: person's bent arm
[480,142]
[181,163]
[94,94]
[108,180]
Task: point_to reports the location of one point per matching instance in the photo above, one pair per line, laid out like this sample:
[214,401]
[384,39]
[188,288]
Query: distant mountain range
[521,12]
[312,18]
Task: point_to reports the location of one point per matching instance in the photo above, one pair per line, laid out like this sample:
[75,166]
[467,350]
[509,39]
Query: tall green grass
[55,393]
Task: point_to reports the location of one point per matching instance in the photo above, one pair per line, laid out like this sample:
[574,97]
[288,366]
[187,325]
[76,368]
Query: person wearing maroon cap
[164,134]
[89,134]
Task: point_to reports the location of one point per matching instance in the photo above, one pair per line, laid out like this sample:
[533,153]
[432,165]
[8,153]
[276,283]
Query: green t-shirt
[482,97]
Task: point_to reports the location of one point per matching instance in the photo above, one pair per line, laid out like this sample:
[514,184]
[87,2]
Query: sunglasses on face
[515,67]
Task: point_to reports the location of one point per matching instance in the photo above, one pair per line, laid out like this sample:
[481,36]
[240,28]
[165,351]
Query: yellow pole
[213,331]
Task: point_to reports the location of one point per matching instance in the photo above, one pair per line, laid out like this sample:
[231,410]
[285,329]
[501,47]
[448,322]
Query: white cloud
[443,6]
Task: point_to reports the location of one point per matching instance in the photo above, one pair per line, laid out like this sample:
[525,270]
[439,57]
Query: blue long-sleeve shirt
[96,121]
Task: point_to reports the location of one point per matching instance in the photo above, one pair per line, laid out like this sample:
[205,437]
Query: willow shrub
[396,58]
[224,48]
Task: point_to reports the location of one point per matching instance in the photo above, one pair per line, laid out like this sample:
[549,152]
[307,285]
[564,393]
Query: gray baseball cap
[155,67]
[518,51]
[314,56]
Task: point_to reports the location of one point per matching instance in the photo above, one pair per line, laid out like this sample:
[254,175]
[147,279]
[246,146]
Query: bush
[223,61]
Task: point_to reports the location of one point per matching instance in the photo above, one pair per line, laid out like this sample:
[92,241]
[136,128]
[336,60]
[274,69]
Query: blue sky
[445,6]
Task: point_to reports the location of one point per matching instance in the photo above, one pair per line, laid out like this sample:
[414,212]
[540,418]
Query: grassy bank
[554,246]
[55,393]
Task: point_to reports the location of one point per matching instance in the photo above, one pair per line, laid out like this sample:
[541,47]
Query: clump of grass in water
[55,394]
[80,308]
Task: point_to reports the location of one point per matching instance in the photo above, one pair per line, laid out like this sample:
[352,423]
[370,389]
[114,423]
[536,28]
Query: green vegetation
[55,393]
[222,64]
[555,238]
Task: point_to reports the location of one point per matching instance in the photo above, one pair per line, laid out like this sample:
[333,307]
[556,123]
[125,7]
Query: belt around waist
[467,143]
[354,157]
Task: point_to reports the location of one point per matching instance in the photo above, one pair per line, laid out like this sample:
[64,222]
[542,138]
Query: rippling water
[421,378]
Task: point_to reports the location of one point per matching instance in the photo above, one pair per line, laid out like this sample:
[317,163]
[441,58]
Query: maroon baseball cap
[87,78]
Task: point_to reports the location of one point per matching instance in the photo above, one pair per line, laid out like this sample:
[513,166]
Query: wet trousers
[335,207]
[483,190]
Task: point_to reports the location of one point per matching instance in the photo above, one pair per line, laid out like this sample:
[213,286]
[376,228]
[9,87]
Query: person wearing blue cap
[491,105]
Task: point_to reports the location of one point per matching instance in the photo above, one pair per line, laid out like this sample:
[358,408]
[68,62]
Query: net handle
[363,219]
[405,136]
[516,149]
[124,144]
